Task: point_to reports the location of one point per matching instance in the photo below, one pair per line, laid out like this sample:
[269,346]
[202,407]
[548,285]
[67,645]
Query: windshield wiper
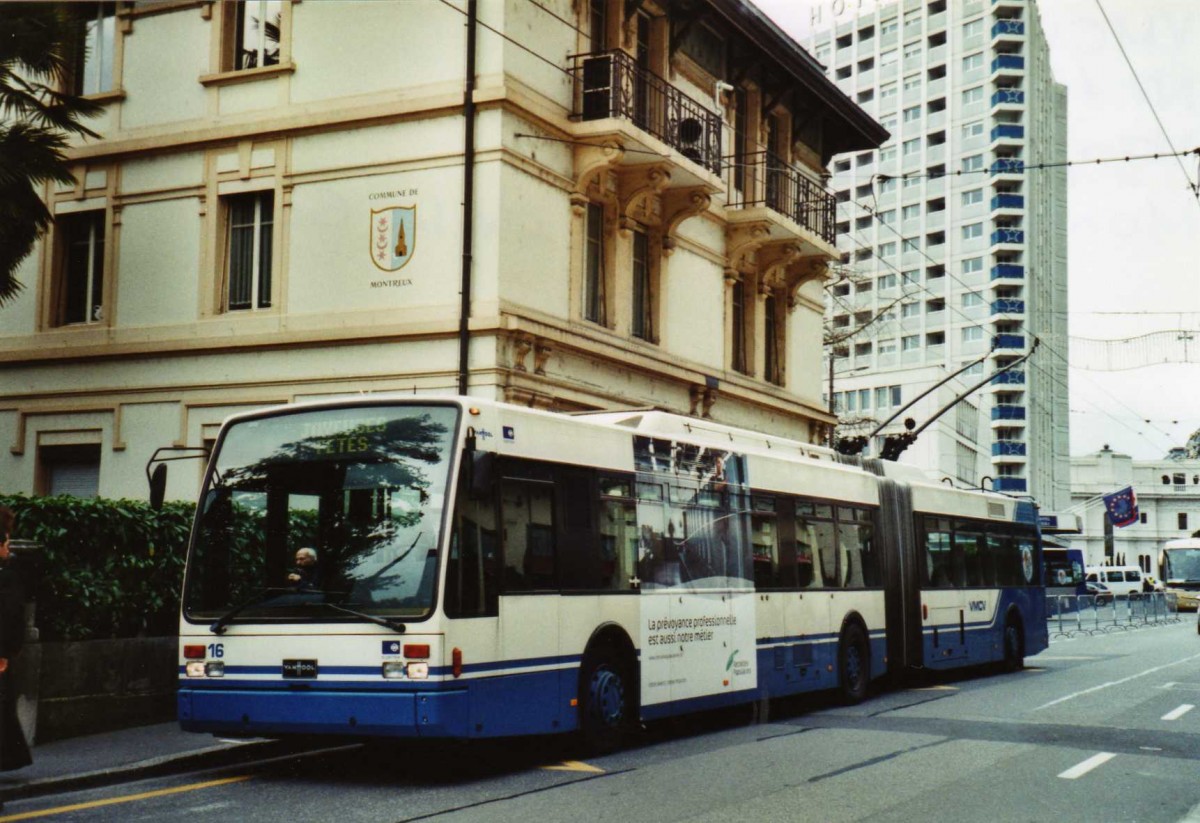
[394,625]
[218,627]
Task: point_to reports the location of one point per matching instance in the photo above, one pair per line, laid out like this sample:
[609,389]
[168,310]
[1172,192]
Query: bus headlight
[195,668]
[418,671]
[393,669]
[214,668]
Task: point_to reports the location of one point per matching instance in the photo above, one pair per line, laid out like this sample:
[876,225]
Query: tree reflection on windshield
[362,487]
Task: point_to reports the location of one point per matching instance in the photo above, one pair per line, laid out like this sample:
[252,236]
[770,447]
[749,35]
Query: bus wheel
[1014,646]
[854,664]
[606,697]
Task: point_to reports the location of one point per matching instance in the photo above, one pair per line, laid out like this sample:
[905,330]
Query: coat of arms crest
[393,236]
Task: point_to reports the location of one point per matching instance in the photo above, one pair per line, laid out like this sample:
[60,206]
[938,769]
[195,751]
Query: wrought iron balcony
[1010,96]
[1012,485]
[1008,271]
[1015,377]
[614,85]
[1008,448]
[764,179]
[1010,62]
[1008,412]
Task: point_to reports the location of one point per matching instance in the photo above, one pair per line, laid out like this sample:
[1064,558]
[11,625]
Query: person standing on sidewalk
[14,751]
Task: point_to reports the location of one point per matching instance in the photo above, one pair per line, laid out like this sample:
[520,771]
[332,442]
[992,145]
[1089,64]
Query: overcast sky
[1134,241]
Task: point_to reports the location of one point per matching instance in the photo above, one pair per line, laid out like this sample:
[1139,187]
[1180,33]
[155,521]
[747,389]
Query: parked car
[1120,580]
[1101,592]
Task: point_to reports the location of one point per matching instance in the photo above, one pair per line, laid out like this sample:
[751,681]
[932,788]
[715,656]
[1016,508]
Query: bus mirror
[481,467]
[158,486]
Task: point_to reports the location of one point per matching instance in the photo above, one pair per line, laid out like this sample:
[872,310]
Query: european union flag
[1122,507]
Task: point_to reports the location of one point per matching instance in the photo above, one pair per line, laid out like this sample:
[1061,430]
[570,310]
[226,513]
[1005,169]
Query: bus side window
[973,547]
[939,564]
[764,534]
[860,567]
[824,544]
[471,572]
[618,534]
[527,514]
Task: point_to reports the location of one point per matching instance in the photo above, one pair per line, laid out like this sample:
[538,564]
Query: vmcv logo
[978,605]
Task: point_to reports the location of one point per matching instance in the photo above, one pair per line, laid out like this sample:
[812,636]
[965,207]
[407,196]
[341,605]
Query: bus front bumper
[275,713]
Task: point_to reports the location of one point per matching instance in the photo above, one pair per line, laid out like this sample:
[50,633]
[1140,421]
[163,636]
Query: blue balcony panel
[1009,130]
[1007,165]
[1008,201]
[1008,448]
[1008,305]
[1003,96]
[1010,341]
[1008,412]
[1011,485]
[1008,236]
[1009,378]
[1008,27]
[1008,271]
[1008,61]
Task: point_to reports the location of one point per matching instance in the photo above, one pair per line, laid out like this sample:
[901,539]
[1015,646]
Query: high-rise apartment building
[953,237]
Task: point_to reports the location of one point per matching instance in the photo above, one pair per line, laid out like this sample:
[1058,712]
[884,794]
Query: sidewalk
[99,759]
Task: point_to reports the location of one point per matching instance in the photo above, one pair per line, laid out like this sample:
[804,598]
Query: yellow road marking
[125,799]
[573,766]
[936,689]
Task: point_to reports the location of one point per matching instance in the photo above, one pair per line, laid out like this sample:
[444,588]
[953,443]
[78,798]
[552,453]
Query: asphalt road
[1095,729]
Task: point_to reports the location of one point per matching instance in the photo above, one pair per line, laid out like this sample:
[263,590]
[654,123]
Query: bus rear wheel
[854,664]
[1014,646]
[606,699]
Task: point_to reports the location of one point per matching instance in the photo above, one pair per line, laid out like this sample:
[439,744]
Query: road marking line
[573,766]
[1116,682]
[125,799]
[1175,714]
[935,689]
[1086,766]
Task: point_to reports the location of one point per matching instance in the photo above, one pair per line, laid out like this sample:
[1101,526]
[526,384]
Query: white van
[1121,580]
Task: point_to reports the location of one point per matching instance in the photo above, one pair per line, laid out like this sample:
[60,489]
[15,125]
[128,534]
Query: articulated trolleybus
[484,570]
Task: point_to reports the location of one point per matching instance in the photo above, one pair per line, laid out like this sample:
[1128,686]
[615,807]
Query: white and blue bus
[478,569]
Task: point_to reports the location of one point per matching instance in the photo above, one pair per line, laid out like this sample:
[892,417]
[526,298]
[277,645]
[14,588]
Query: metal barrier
[1068,615]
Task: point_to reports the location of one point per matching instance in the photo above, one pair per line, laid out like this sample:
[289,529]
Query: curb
[228,754]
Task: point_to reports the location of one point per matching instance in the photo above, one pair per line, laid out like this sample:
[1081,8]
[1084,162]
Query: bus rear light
[418,671]
[214,668]
[195,668]
[393,669]
[193,652]
[456,662]
[416,651]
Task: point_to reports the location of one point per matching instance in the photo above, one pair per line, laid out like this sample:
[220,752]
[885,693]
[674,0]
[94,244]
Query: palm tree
[38,42]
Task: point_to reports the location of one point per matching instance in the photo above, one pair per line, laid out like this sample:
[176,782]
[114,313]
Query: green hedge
[106,568]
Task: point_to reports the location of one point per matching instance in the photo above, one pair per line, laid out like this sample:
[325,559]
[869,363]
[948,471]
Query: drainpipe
[464,318]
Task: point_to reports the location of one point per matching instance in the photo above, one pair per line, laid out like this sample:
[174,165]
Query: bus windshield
[317,515]
[1181,565]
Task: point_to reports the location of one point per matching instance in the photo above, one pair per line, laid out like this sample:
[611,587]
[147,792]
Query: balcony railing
[1008,448]
[1008,27]
[1002,96]
[1008,412]
[1008,271]
[1008,130]
[764,179]
[1008,201]
[1008,305]
[1012,485]
[614,85]
[1009,378]
[1014,236]
[1012,62]
[1007,165]
[1010,341]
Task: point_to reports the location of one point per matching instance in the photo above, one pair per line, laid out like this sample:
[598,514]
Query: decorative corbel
[742,241]
[638,190]
[695,398]
[708,401]
[775,258]
[541,353]
[802,271]
[679,205]
[522,344]
[592,161]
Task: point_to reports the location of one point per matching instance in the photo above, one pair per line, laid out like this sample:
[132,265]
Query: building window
[69,470]
[887,91]
[972,334]
[972,129]
[911,147]
[972,29]
[908,310]
[972,265]
[910,343]
[80,292]
[248,262]
[970,198]
[773,340]
[887,249]
[595,276]
[972,231]
[643,325]
[738,328]
[972,163]
[912,50]
[92,63]
[911,212]
[1183,520]
[972,96]
[972,62]
[252,34]
[887,281]
[971,299]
